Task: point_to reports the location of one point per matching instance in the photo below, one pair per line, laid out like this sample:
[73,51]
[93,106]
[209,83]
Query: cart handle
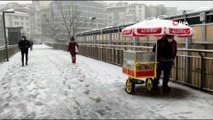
[145,62]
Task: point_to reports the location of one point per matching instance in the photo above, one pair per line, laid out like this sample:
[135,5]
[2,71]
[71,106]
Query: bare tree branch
[52,30]
[68,20]
[60,6]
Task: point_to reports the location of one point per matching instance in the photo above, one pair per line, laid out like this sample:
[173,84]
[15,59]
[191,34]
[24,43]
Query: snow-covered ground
[52,87]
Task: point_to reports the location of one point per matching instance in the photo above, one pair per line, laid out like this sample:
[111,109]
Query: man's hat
[169,36]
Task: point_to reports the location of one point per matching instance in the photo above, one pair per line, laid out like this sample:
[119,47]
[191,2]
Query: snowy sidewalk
[51,87]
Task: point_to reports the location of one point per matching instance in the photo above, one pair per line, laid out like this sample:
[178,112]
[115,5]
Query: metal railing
[200,62]
[12,49]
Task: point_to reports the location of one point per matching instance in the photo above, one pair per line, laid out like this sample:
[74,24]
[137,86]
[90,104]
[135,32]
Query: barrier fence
[194,69]
[12,49]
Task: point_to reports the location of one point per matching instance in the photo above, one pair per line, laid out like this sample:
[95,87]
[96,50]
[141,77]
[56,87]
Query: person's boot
[22,64]
[26,63]
[166,88]
[155,86]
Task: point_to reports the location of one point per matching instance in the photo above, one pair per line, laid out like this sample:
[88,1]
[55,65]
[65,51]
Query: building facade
[18,19]
[124,13]
[171,11]
[116,15]
[136,12]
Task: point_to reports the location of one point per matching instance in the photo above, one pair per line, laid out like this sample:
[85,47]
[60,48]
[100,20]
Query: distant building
[138,10]
[45,4]
[12,4]
[124,13]
[151,11]
[120,4]
[2,6]
[32,26]
[171,11]
[160,10]
[31,21]
[18,19]
[115,15]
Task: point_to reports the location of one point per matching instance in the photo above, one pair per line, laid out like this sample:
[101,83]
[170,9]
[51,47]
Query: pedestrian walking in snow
[24,45]
[31,45]
[73,49]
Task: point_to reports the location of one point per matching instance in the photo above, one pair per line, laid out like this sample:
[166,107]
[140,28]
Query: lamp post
[92,19]
[187,62]
[5,36]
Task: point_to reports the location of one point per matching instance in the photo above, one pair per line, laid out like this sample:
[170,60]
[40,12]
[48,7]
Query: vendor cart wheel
[149,84]
[130,86]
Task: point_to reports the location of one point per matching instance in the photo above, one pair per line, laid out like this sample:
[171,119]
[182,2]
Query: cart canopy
[158,27]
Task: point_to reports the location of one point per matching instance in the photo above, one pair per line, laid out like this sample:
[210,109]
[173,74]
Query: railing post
[114,52]
[177,67]
[203,70]
[110,38]
[147,41]
[97,51]
[187,46]
[85,39]
[188,42]
[110,54]
[102,54]
[95,39]
[203,26]
[121,57]
[136,42]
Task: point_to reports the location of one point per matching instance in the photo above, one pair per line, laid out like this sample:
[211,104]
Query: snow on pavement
[52,87]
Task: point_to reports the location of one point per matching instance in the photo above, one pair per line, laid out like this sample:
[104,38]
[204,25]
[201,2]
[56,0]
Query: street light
[92,19]
[5,37]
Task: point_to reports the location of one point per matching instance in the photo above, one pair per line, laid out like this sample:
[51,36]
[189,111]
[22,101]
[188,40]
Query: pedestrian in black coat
[24,45]
[166,53]
[31,45]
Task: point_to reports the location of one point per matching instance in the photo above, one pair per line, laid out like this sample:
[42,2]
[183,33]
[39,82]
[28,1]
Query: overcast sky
[21,2]
[180,4]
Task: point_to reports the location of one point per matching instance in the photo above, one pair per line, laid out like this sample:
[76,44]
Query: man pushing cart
[149,64]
